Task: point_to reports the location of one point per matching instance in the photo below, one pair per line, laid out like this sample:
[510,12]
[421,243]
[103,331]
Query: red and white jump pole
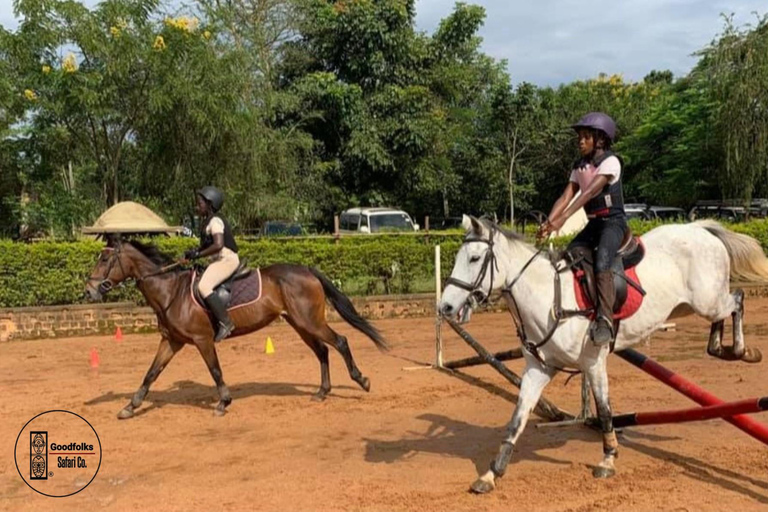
[732,412]
[708,412]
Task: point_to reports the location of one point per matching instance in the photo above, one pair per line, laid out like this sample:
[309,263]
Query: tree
[673,157]
[736,67]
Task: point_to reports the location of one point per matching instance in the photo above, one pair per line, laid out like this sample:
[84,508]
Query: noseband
[106,284]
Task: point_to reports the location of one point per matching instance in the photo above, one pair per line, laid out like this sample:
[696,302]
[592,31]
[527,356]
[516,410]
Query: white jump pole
[438,318]
[438,321]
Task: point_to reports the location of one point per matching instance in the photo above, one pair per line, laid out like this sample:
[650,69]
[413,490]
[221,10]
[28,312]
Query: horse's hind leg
[535,379]
[165,352]
[732,304]
[321,351]
[715,346]
[339,342]
[749,355]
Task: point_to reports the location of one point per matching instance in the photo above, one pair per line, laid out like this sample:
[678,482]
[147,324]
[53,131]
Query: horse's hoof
[481,486]
[125,413]
[603,472]
[725,353]
[752,355]
[365,383]
[219,411]
[319,396]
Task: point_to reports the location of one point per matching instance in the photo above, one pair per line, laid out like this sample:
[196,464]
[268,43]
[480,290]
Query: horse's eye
[474,259]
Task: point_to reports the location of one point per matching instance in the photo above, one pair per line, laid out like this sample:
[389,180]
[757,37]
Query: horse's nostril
[447,309]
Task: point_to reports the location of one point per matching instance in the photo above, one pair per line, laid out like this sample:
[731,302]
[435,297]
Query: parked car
[637,211]
[729,209]
[666,213]
[717,211]
[281,228]
[375,220]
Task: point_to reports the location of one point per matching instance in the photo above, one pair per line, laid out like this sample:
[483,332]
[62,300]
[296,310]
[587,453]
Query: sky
[549,42]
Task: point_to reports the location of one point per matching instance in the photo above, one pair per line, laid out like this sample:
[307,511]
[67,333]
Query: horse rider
[597,174]
[218,245]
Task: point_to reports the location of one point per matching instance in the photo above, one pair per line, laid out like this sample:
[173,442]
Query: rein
[162,270]
[106,284]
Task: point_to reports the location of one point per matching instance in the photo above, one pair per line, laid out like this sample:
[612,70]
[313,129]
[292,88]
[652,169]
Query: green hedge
[50,273]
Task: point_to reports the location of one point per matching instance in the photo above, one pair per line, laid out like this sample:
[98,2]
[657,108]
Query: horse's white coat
[686,267]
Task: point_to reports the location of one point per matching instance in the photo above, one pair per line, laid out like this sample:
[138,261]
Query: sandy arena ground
[414,443]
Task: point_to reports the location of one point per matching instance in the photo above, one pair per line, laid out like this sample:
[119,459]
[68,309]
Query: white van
[375,220]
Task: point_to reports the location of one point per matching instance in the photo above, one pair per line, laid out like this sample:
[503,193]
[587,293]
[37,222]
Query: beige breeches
[216,273]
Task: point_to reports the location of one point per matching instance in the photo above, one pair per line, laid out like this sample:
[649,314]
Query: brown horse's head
[114,266]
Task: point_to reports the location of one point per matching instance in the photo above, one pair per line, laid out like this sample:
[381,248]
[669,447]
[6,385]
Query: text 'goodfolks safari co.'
[78,452]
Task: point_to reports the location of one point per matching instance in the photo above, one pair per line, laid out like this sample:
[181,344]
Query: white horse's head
[476,272]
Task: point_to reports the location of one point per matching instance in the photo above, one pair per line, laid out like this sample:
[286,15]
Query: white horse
[686,268]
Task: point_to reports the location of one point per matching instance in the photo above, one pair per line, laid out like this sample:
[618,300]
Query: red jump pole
[696,414]
[692,391]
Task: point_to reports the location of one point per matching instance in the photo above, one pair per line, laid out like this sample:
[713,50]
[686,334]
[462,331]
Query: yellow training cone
[270,349]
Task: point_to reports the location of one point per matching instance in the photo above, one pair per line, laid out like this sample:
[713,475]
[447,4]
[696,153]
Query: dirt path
[414,443]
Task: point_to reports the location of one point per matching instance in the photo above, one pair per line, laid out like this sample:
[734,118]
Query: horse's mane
[512,236]
[154,254]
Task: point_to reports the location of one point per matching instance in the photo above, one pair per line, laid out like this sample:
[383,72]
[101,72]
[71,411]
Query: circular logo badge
[58,453]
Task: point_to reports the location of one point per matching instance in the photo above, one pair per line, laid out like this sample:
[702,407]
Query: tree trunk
[512,191]
[511,178]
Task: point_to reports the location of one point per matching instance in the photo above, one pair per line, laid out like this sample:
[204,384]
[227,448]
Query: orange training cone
[119,334]
[94,358]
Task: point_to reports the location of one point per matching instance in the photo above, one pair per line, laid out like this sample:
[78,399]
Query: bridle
[477,295]
[106,284]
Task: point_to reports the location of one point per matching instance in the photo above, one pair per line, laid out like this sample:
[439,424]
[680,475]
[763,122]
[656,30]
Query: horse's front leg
[598,379]
[165,352]
[535,379]
[208,351]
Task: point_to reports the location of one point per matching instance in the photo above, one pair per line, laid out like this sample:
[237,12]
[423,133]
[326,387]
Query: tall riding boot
[602,331]
[218,309]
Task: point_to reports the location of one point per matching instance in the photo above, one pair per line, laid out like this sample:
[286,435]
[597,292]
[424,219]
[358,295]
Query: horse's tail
[748,261]
[347,310]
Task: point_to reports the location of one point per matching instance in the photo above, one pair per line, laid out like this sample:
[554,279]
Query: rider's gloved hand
[192,254]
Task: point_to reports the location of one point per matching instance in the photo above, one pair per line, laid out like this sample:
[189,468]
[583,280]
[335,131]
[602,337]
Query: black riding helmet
[213,196]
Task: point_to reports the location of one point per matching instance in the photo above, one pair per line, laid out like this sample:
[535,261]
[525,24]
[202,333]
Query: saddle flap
[584,274]
[244,286]
[242,271]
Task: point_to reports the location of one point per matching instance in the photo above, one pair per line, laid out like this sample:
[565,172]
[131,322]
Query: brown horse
[297,293]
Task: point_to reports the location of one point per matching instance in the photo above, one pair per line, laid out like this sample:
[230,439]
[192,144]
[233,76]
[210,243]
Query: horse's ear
[466,222]
[477,226]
